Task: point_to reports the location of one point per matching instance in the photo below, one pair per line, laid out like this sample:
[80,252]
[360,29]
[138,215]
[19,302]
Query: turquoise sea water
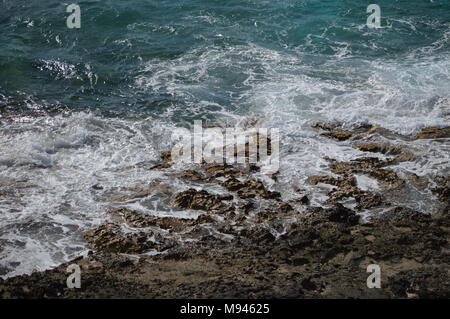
[162,56]
[88,102]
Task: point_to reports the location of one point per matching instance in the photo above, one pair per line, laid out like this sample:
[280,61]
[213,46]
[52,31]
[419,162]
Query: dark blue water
[96,105]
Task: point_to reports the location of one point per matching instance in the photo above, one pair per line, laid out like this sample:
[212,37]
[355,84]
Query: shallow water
[94,106]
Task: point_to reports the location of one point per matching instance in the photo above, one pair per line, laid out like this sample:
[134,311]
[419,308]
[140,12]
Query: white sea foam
[48,169]
[49,164]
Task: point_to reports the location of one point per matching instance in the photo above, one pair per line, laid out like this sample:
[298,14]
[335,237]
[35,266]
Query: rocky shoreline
[248,242]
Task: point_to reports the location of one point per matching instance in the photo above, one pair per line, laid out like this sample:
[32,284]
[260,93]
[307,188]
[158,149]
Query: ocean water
[95,105]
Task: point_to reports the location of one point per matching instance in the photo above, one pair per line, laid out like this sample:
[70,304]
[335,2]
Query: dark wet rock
[299,261]
[308,284]
[227,171]
[370,166]
[401,216]
[249,188]
[430,282]
[403,156]
[378,148]
[357,165]
[110,238]
[361,131]
[138,220]
[339,135]
[258,234]
[201,200]
[337,131]
[368,200]
[4,270]
[277,209]
[234,184]
[304,200]
[245,207]
[381,131]
[327,126]
[386,177]
[344,181]
[218,170]
[204,219]
[443,188]
[400,154]
[339,214]
[189,174]
[166,161]
[283,208]
[346,187]
[323,255]
[137,193]
[211,172]
[433,132]
[166,156]
[162,165]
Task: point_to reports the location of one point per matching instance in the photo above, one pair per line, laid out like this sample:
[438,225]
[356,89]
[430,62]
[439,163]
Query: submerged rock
[345,181]
[400,153]
[346,187]
[377,148]
[327,126]
[433,132]
[370,166]
[339,135]
[201,200]
[337,131]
